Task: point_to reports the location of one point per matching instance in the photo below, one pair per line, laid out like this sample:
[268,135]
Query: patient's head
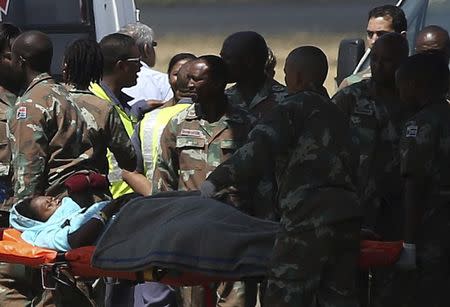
[39,208]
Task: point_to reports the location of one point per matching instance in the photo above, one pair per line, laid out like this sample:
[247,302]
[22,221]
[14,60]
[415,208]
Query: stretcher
[77,262]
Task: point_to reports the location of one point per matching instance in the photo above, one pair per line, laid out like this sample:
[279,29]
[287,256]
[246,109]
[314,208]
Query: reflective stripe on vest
[118,186]
[152,126]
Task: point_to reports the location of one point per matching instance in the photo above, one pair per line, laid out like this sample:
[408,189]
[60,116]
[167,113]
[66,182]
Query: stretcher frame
[77,262]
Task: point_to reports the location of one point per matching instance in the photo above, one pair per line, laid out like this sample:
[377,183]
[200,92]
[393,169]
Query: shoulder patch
[364,109]
[190,132]
[277,88]
[411,131]
[21,113]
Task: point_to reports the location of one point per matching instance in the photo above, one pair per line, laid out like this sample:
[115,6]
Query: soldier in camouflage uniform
[423,81]
[383,19]
[8,90]
[199,138]
[376,116]
[15,289]
[46,128]
[247,57]
[307,143]
[83,64]
[45,131]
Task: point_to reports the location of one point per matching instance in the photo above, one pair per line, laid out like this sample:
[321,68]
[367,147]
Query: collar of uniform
[115,100]
[78,91]
[321,90]
[44,77]
[193,112]
[232,113]
[235,114]
[7,97]
[269,86]
[362,89]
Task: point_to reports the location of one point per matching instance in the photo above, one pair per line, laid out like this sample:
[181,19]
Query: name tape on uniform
[189,132]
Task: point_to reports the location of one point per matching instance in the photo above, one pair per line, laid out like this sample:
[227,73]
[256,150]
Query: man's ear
[120,65]
[147,51]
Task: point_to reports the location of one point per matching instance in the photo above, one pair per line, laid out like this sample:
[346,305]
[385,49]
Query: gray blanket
[187,233]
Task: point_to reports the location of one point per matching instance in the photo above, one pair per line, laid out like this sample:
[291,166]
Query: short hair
[217,68]
[312,61]
[24,208]
[141,33]
[115,47]
[399,23]
[8,32]
[395,41]
[430,70]
[179,57]
[252,44]
[37,48]
[84,63]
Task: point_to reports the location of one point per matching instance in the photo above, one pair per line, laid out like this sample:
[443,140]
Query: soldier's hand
[407,261]
[207,189]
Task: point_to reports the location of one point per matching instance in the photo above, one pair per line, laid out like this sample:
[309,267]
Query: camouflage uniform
[355,78]
[48,139]
[261,106]
[376,124]
[15,290]
[191,148]
[307,143]
[7,99]
[106,131]
[425,154]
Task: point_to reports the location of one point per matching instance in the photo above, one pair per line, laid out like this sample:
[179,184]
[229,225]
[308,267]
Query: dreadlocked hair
[83,61]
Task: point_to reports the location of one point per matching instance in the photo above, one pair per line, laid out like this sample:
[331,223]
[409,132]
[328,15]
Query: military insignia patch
[21,113]
[189,132]
[411,131]
[364,110]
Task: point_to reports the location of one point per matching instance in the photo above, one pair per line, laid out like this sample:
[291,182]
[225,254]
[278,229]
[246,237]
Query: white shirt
[151,84]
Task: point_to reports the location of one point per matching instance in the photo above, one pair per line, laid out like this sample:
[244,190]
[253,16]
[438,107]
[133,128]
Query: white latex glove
[207,189]
[407,261]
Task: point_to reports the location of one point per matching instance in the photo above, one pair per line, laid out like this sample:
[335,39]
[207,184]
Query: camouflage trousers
[20,286]
[229,294]
[315,268]
[15,289]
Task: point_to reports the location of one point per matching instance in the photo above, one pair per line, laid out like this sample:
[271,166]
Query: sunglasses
[370,34]
[133,60]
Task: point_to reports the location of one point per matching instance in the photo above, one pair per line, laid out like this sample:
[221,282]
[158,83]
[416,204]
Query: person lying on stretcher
[61,224]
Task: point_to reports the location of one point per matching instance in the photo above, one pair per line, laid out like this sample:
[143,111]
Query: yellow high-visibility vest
[150,130]
[118,185]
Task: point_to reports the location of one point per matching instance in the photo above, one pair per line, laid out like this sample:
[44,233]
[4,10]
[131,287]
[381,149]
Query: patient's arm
[89,232]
